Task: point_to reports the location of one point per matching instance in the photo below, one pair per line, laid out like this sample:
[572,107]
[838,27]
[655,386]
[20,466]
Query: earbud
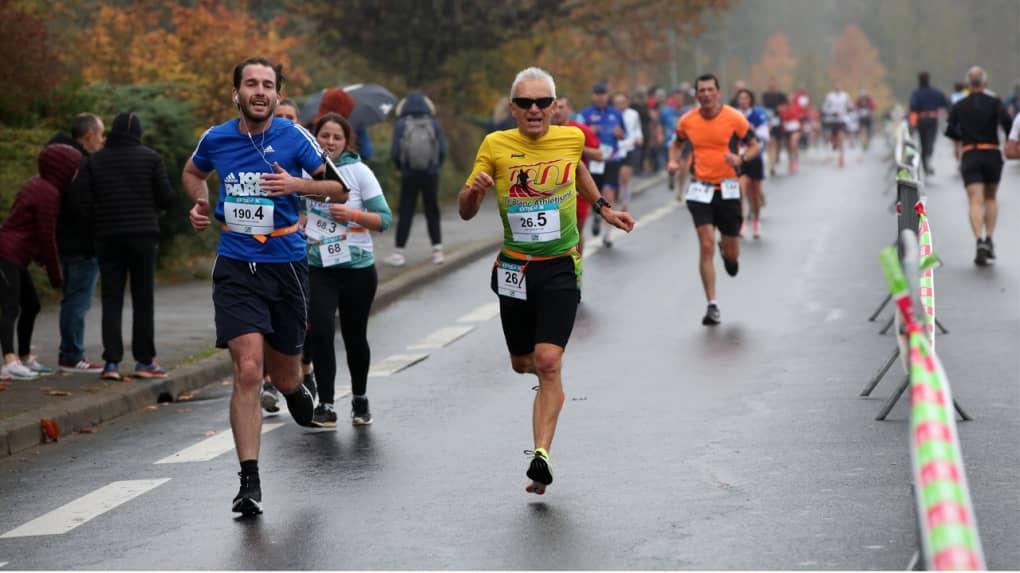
[237,101]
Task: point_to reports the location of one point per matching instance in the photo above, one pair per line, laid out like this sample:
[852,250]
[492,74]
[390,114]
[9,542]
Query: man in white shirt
[836,110]
[629,151]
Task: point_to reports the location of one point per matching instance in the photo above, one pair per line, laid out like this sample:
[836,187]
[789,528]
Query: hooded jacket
[416,104]
[30,232]
[74,234]
[122,187]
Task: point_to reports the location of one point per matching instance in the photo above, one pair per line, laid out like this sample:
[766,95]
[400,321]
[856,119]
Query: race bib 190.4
[249,215]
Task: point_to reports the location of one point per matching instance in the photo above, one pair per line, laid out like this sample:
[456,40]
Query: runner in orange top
[713,195]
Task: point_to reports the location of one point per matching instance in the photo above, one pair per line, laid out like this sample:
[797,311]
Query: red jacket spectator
[30,232]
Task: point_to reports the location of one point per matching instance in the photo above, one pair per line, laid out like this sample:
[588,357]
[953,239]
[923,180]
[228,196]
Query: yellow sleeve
[483,162]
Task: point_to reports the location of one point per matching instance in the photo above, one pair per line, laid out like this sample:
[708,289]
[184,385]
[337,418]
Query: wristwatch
[600,204]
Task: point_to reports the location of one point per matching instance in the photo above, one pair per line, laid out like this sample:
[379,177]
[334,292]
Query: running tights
[352,292]
[17,293]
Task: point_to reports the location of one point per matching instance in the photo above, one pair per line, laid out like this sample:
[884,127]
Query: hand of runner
[672,166]
[481,184]
[280,183]
[733,159]
[619,219]
[341,213]
[199,215]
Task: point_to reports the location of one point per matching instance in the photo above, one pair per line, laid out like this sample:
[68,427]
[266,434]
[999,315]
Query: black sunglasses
[526,102]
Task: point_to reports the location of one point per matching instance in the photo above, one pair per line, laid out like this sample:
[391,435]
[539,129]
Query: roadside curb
[23,431]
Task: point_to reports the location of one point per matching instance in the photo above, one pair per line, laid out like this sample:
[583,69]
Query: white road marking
[85,508]
[442,337]
[395,363]
[209,448]
[2,563]
[593,246]
[481,314]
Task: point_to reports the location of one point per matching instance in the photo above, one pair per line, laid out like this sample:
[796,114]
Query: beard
[253,117]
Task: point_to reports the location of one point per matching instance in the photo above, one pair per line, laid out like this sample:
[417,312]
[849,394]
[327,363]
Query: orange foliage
[855,63]
[776,62]
[196,47]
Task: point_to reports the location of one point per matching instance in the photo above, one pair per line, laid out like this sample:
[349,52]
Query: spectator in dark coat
[418,150]
[30,234]
[121,190]
[77,254]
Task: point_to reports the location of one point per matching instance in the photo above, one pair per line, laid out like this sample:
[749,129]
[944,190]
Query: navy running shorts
[268,298]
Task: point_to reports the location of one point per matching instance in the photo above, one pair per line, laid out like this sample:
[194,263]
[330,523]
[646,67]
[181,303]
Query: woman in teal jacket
[342,271]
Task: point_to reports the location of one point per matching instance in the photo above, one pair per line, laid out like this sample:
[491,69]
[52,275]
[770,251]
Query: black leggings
[352,291]
[410,185]
[17,291]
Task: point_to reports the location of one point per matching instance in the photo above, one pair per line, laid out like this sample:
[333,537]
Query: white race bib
[792,125]
[249,215]
[730,189]
[699,192]
[535,223]
[334,251]
[320,228]
[596,167]
[510,281]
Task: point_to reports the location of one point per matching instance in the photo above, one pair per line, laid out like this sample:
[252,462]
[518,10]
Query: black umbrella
[374,103]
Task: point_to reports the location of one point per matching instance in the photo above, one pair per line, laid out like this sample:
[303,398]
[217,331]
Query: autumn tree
[856,65]
[195,47]
[776,62]
[31,67]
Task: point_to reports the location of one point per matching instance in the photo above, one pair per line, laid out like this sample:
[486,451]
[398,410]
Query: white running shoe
[32,363]
[17,371]
[396,259]
[437,256]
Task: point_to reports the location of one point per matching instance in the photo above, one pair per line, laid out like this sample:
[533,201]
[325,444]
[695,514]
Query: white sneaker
[32,363]
[18,371]
[607,241]
[396,260]
[437,256]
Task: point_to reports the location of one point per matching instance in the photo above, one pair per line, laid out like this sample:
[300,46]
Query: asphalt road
[743,446]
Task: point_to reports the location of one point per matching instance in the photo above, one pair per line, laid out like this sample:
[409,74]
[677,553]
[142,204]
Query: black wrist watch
[600,204]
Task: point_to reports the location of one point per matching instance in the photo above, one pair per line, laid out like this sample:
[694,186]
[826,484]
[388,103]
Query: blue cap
[599,88]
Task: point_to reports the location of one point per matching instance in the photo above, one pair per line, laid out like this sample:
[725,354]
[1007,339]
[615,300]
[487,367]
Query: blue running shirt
[240,161]
[602,122]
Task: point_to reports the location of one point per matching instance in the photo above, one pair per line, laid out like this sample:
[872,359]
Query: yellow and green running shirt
[536,189]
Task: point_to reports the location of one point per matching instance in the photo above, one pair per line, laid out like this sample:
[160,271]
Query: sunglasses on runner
[525,103]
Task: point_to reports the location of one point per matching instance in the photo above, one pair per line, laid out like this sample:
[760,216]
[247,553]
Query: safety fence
[948,532]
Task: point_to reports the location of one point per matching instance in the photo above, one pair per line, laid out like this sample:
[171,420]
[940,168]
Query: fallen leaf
[58,393]
[151,408]
[210,433]
[88,430]
[3,386]
[226,383]
[185,397]
[50,429]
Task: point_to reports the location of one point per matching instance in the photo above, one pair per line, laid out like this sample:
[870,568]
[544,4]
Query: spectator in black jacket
[77,254]
[120,190]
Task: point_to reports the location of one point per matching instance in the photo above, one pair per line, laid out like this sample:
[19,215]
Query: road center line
[395,363]
[482,313]
[209,448]
[85,508]
[442,337]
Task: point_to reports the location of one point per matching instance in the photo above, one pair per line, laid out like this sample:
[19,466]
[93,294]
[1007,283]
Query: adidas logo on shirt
[269,149]
[230,178]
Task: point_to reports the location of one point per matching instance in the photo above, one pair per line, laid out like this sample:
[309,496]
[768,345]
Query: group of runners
[297,206]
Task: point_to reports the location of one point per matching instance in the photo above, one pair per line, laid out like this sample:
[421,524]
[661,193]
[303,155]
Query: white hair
[533,73]
[977,76]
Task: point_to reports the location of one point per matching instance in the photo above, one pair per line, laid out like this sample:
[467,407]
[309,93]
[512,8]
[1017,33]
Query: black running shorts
[981,166]
[725,214]
[268,298]
[548,314]
[755,168]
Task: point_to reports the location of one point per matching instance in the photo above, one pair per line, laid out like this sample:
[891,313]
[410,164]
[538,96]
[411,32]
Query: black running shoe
[301,406]
[596,225]
[981,257]
[360,415]
[712,316]
[270,398]
[325,416]
[991,250]
[248,500]
[539,473]
[309,383]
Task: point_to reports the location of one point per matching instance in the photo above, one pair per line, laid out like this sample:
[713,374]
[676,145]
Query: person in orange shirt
[715,132]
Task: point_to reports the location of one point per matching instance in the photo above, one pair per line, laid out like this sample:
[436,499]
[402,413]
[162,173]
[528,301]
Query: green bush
[19,150]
